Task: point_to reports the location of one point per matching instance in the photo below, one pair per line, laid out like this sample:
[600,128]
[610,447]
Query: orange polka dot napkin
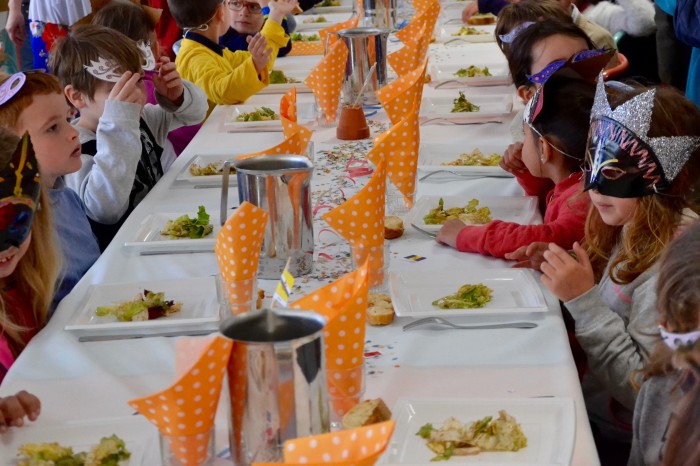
[399,147]
[288,115]
[326,78]
[306,48]
[398,97]
[237,249]
[411,55]
[360,220]
[352,447]
[294,144]
[331,30]
[344,305]
[185,412]
[424,5]
[427,17]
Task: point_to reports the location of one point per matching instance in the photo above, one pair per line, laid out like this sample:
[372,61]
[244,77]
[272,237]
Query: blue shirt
[234,40]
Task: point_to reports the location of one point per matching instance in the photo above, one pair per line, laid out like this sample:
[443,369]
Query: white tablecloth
[79,381]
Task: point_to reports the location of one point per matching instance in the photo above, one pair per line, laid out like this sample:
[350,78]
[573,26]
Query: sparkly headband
[677,341]
[510,37]
[107,70]
[549,70]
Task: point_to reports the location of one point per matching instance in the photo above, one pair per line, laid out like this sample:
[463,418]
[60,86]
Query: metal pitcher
[379,14]
[279,184]
[367,46]
[276,381]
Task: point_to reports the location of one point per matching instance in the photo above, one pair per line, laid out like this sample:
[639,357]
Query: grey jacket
[104,181]
[617,326]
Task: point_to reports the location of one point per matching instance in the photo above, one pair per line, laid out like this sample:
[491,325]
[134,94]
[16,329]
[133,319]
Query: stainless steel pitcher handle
[325,46]
[224,191]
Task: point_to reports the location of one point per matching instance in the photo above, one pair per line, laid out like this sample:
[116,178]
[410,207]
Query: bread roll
[366,413]
[259,301]
[393,227]
[481,19]
[379,309]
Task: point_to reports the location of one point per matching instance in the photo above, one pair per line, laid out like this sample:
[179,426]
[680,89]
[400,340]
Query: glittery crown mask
[19,191]
[621,159]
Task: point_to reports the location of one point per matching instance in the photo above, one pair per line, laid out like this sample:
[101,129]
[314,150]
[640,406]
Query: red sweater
[564,220]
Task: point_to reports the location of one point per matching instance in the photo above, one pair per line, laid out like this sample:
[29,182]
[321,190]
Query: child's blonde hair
[89,43]
[657,216]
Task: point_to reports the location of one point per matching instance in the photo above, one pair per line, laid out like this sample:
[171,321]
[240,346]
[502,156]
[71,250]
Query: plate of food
[149,308]
[331,6]
[206,170]
[282,81]
[320,21]
[466,293]
[466,33]
[133,440]
[479,159]
[243,118]
[463,108]
[464,431]
[192,231]
[430,212]
[470,74]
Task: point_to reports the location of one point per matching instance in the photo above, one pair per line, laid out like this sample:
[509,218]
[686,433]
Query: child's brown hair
[35,84]
[657,216]
[193,13]
[516,14]
[127,18]
[87,44]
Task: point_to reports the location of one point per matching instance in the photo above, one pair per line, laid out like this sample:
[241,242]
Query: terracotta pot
[352,124]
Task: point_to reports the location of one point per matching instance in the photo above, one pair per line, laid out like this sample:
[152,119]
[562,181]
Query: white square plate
[305,111]
[514,292]
[446,31]
[445,73]
[345,7]
[299,75]
[139,435]
[208,180]
[200,309]
[148,237]
[518,209]
[548,423]
[495,107]
[333,19]
[432,156]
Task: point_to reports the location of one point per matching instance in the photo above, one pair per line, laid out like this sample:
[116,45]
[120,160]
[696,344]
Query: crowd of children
[616,171]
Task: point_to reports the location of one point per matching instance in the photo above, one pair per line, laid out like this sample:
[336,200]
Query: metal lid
[273,164]
[272,326]
[362,32]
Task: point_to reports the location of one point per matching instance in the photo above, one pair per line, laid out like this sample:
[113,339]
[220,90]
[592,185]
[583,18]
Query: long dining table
[90,382]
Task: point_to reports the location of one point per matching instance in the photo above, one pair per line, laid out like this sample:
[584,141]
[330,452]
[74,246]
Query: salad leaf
[186,227]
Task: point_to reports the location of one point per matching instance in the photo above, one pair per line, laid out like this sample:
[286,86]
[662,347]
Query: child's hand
[13,410]
[168,82]
[281,8]
[128,89]
[565,276]
[530,256]
[512,160]
[449,231]
[469,11]
[257,46]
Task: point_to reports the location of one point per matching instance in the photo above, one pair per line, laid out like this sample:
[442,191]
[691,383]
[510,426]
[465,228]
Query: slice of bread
[393,227]
[481,19]
[379,309]
[366,413]
[259,300]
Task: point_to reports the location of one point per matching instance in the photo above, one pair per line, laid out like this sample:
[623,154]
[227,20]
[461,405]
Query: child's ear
[546,150]
[525,92]
[75,97]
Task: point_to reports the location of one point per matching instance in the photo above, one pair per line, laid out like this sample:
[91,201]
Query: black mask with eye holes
[619,164]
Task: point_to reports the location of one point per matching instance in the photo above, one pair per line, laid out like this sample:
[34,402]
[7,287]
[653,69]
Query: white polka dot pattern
[351,23]
[326,77]
[398,97]
[411,55]
[185,411]
[358,447]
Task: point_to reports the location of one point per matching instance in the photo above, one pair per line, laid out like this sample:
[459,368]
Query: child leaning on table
[554,149]
[35,104]
[227,77]
[101,72]
[665,383]
[642,173]
[28,259]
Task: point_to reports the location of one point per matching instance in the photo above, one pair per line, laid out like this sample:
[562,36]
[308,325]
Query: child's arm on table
[13,410]
[105,180]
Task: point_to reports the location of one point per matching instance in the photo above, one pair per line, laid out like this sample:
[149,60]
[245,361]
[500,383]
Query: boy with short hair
[227,77]
[247,19]
[101,72]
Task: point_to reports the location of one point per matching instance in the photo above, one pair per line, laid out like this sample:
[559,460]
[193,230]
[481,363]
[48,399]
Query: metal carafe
[379,14]
[366,46]
[276,381]
[279,184]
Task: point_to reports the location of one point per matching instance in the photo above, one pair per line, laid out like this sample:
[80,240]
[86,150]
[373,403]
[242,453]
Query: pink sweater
[564,220]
